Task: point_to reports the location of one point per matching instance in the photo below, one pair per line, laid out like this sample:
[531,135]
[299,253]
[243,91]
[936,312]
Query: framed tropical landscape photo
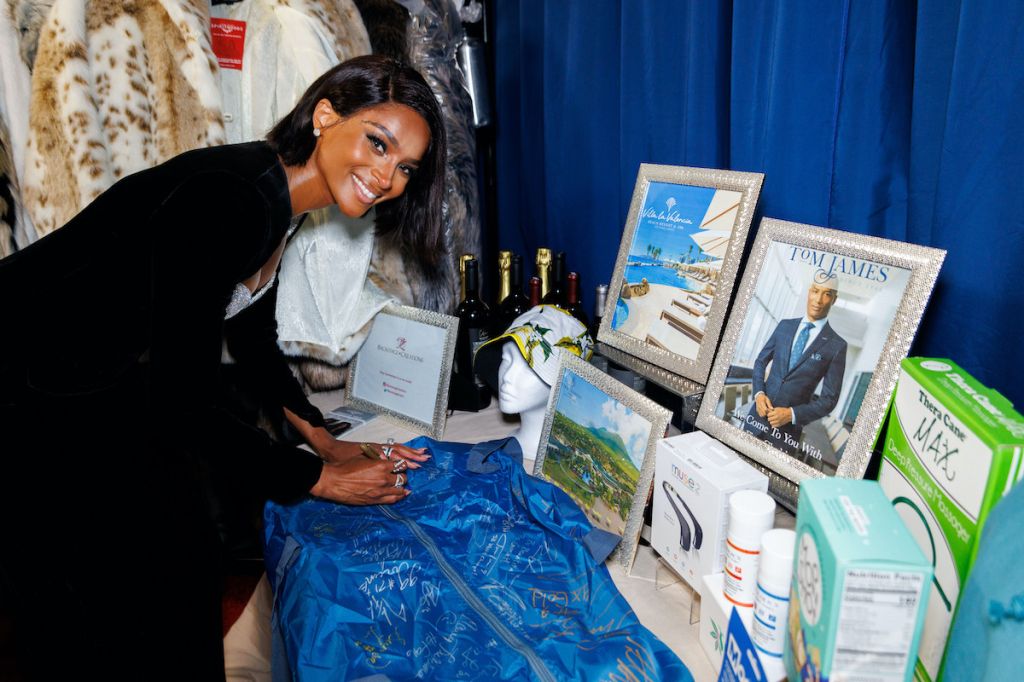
[677,263]
[812,350]
[598,446]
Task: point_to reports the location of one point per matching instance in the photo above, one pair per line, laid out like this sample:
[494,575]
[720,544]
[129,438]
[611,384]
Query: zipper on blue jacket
[471,598]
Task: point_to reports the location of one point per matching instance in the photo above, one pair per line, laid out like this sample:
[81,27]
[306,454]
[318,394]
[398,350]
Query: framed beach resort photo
[676,265]
[598,445]
[812,349]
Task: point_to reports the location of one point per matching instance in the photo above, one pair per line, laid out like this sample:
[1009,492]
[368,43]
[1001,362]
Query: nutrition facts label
[877,616]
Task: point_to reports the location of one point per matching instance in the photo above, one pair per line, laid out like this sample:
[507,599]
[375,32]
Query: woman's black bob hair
[414,220]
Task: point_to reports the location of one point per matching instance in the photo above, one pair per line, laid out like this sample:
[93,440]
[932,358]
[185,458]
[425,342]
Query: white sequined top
[241,297]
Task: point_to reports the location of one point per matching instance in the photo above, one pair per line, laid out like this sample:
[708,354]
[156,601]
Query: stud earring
[316,132]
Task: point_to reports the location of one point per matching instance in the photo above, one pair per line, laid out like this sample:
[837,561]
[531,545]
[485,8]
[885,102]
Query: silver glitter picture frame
[411,317]
[570,468]
[692,295]
[882,288]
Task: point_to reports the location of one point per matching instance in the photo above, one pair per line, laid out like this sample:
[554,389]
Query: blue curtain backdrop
[888,118]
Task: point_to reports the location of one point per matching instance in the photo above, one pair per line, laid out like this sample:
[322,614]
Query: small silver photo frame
[598,445]
[812,350]
[677,263]
[404,367]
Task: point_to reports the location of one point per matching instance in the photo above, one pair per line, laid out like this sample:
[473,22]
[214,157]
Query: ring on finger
[400,465]
[385,451]
[399,481]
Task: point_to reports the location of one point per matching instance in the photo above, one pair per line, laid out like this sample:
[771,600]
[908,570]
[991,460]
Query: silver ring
[385,451]
[390,441]
[399,481]
[400,465]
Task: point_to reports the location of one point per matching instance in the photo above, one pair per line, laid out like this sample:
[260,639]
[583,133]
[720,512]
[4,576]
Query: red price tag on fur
[228,38]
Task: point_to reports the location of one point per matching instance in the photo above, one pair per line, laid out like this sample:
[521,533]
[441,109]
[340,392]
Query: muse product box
[694,476]
[860,586]
[953,449]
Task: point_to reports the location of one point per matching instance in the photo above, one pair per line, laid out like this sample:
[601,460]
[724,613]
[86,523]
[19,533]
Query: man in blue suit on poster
[803,352]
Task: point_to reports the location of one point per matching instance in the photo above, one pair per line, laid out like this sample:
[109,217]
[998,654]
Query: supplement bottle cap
[751,513]
[776,567]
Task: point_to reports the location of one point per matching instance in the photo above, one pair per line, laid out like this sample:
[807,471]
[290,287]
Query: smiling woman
[151,279]
[362,160]
[366,132]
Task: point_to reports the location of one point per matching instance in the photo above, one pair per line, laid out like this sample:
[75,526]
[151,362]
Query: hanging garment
[116,88]
[8,194]
[426,34]
[434,36]
[482,573]
[19,25]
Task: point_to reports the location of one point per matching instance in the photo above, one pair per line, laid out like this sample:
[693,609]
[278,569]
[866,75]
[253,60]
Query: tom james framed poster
[812,349]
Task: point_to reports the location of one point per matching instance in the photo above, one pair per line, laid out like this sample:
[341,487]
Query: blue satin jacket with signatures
[482,573]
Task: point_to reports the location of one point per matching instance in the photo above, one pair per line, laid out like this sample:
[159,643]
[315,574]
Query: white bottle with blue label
[771,602]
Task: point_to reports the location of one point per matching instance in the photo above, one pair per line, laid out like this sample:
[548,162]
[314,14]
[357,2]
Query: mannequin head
[521,391]
[519,388]
[522,364]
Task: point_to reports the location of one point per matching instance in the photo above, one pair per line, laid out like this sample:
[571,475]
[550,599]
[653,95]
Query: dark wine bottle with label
[469,392]
[572,299]
[463,259]
[557,290]
[516,303]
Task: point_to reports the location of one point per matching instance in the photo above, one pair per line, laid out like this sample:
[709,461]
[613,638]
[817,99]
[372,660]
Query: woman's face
[370,156]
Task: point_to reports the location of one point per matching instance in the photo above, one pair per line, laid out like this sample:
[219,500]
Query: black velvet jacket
[128,299]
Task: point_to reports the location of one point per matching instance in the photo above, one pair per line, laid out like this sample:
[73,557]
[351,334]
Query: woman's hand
[361,481]
[338,451]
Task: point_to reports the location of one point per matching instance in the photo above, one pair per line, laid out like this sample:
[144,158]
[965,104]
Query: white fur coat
[116,87]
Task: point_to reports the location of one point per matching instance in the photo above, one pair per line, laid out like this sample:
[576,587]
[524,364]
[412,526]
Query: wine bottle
[504,275]
[544,270]
[474,323]
[600,299]
[572,299]
[534,291]
[463,259]
[556,291]
[516,303]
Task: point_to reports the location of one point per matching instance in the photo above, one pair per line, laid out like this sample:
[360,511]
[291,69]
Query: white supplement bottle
[751,513]
[771,602]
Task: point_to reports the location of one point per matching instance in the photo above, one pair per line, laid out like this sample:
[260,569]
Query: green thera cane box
[953,449]
[860,582]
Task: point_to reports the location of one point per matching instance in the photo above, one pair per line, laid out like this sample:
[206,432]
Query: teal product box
[860,586]
[953,449]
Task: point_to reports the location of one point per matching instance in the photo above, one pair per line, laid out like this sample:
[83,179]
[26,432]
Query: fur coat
[19,23]
[117,87]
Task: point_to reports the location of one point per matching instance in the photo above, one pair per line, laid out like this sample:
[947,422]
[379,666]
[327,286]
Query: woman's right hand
[361,481]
